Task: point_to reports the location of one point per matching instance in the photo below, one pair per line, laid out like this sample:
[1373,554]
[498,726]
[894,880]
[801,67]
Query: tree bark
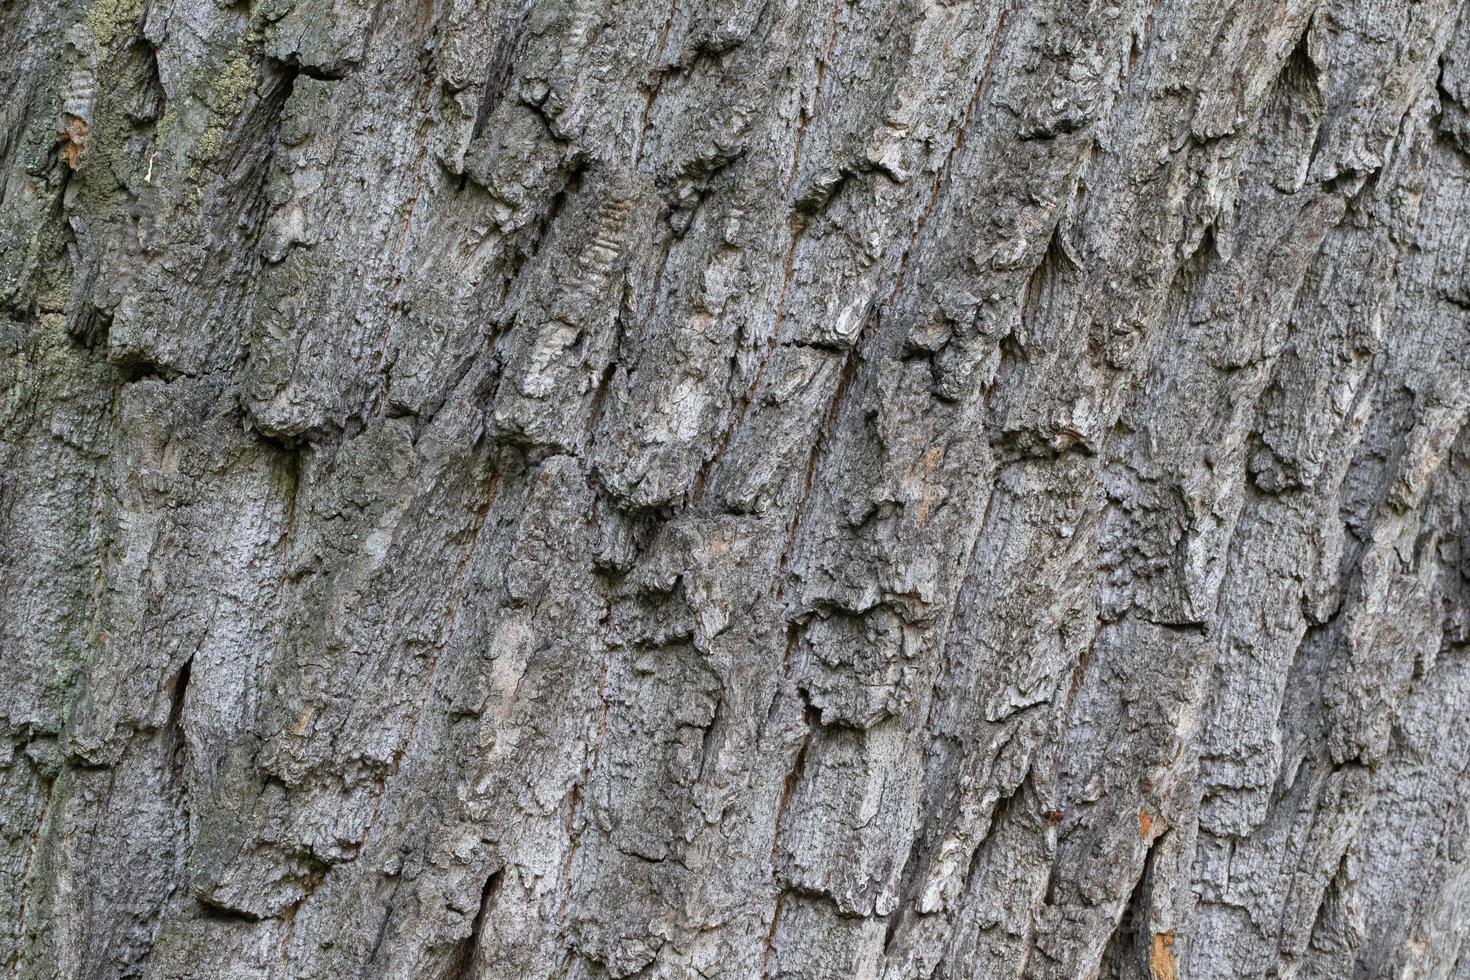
[735,488]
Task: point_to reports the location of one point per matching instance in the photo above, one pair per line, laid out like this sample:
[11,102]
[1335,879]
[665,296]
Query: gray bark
[735,488]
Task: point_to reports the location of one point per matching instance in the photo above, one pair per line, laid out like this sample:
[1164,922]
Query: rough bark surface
[735,488]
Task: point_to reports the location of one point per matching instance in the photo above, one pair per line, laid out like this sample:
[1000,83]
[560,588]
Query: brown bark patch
[73,133]
[1161,963]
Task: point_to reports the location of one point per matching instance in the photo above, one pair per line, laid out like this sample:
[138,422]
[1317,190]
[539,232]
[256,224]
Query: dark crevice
[222,913]
[382,933]
[178,693]
[1338,890]
[908,884]
[574,173]
[149,100]
[89,326]
[547,118]
[1299,69]
[291,65]
[464,961]
[135,369]
[286,443]
[1007,808]
[708,739]
[747,397]
[812,717]
[242,163]
[822,190]
[1128,951]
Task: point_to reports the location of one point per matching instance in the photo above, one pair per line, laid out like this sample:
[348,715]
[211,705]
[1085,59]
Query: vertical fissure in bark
[464,967]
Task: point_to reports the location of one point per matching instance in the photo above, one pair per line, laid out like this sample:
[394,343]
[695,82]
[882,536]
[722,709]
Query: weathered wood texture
[735,488]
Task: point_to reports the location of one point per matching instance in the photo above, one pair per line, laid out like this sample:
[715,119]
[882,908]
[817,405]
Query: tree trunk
[735,488]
